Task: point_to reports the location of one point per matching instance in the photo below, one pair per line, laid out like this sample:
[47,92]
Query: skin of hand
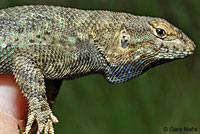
[13,106]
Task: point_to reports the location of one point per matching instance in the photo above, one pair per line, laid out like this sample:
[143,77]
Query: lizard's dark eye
[160,32]
[124,43]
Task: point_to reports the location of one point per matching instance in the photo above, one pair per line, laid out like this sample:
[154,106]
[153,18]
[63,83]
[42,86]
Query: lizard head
[142,43]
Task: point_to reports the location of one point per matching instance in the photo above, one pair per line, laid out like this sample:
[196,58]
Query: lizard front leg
[31,82]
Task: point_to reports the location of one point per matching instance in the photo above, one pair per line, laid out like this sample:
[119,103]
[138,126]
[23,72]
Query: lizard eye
[160,32]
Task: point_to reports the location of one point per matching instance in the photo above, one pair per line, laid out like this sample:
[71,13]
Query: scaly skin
[42,45]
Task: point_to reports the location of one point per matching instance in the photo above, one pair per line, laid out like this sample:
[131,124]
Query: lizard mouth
[156,63]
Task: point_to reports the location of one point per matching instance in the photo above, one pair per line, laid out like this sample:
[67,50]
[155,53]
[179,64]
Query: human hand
[13,106]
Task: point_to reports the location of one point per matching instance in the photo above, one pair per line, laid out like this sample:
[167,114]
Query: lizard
[42,45]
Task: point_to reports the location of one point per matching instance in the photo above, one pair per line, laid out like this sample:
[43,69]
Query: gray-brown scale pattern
[42,45]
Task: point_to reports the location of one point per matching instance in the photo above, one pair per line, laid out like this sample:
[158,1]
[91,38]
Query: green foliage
[168,95]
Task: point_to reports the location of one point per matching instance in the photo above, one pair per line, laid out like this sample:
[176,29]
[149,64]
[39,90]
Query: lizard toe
[31,118]
[40,128]
[49,128]
[54,119]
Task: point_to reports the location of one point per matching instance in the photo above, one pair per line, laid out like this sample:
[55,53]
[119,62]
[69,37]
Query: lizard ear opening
[124,38]
[124,43]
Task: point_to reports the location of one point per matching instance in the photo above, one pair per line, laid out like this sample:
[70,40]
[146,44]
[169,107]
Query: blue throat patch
[123,72]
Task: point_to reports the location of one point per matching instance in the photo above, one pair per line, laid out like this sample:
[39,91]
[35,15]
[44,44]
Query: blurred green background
[167,95]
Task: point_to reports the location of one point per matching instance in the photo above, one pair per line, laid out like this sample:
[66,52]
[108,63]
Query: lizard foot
[44,117]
